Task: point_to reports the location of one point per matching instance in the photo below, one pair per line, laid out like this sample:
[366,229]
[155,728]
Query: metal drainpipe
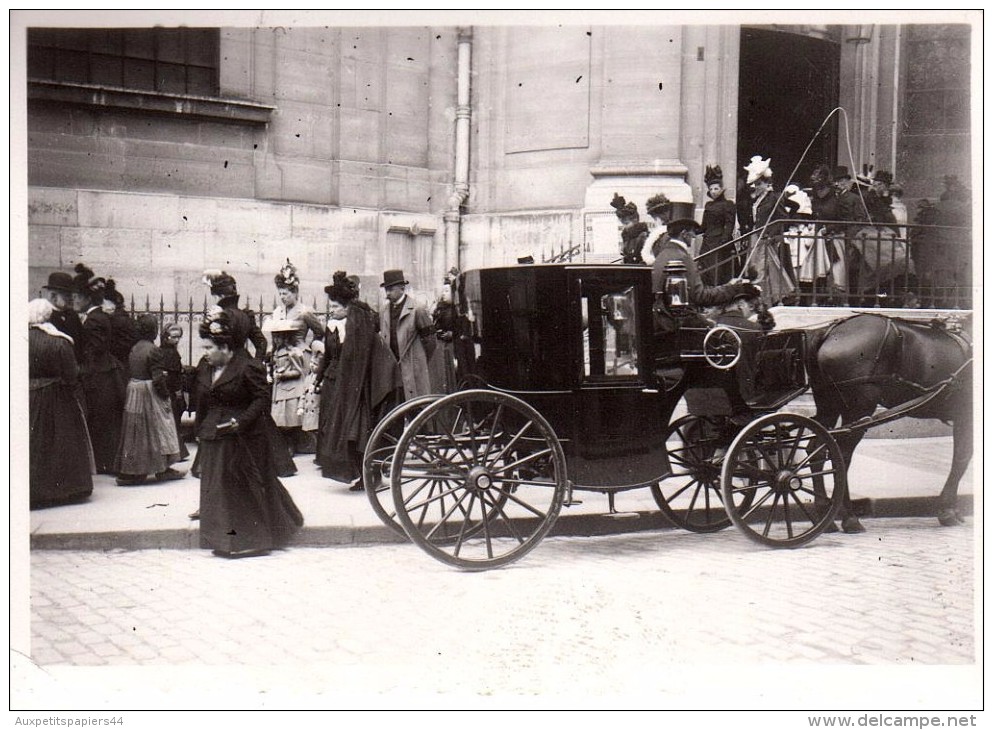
[463,115]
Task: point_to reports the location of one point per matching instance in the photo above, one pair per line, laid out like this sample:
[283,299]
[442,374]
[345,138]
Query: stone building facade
[154,154]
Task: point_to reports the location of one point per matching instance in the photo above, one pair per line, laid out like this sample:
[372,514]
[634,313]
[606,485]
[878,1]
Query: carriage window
[609,331]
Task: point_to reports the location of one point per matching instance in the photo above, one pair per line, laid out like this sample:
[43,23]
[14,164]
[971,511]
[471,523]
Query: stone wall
[158,245]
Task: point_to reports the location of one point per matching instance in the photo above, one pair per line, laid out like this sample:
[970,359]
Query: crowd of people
[105,399]
[845,235]
[101,392]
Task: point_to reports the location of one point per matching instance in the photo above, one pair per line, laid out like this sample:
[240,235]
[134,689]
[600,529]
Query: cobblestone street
[586,617]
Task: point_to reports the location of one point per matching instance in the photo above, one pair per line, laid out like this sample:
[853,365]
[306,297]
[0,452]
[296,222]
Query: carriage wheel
[783,480]
[690,497]
[379,457]
[478,479]
[722,347]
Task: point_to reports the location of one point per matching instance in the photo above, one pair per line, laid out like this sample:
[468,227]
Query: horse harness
[892,331]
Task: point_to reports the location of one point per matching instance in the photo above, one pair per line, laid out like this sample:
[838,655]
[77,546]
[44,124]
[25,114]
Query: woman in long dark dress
[244,508]
[172,363]
[149,440]
[102,376]
[224,290]
[359,382]
[442,361]
[719,214]
[61,460]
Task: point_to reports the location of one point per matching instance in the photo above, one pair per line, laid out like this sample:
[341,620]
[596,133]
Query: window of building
[938,85]
[167,60]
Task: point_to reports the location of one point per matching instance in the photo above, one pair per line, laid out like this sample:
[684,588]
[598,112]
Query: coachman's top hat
[840,172]
[59,281]
[392,277]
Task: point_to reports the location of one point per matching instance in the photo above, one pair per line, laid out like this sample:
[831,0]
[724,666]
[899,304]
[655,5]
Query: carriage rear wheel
[783,480]
[378,458]
[690,497]
[478,479]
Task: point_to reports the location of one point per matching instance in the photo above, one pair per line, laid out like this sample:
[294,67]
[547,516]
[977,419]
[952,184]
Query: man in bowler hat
[66,320]
[409,331]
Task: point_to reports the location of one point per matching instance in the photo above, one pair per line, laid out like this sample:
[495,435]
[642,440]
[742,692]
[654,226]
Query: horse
[868,360]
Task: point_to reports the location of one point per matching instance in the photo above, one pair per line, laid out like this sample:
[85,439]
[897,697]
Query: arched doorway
[788,83]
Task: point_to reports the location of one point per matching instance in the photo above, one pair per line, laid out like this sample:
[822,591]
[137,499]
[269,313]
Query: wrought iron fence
[190,314]
[837,263]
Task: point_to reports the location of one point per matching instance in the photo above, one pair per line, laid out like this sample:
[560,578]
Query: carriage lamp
[676,288]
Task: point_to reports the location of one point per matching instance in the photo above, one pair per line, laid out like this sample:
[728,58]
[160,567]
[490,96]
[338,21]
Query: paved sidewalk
[898,477]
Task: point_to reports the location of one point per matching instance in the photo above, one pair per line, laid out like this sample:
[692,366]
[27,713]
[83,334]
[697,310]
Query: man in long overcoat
[409,331]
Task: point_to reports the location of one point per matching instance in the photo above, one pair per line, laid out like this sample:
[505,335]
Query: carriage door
[619,423]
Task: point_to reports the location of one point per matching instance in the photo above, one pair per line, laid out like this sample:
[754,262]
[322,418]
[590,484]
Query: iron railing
[190,314]
[837,263]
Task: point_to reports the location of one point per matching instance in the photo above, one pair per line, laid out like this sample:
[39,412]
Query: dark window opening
[180,61]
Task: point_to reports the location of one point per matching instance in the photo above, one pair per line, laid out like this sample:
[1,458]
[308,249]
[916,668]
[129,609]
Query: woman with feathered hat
[716,261]
[224,290]
[359,382]
[768,259]
[291,309]
[244,508]
[102,376]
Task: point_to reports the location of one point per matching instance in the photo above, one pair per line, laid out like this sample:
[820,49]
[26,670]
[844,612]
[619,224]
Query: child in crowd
[289,368]
[309,408]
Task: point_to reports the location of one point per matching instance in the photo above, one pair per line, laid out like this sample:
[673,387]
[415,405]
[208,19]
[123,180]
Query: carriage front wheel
[783,480]
[478,479]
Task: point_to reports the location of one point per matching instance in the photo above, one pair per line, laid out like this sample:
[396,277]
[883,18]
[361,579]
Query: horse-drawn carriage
[573,390]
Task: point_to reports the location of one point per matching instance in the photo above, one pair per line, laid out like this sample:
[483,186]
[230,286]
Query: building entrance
[788,83]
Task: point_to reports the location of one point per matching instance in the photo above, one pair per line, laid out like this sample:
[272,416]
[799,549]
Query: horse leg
[849,520]
[948,514]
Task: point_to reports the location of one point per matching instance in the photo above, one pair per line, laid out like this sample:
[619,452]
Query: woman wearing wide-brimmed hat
[768,262]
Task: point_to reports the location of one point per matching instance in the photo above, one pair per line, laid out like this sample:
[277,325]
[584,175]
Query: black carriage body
[576,343]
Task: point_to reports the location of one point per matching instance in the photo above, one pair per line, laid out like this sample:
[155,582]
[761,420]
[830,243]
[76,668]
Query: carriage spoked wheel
[722,347]
[378,458]
[690,497]
[783,480]
[478,479]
